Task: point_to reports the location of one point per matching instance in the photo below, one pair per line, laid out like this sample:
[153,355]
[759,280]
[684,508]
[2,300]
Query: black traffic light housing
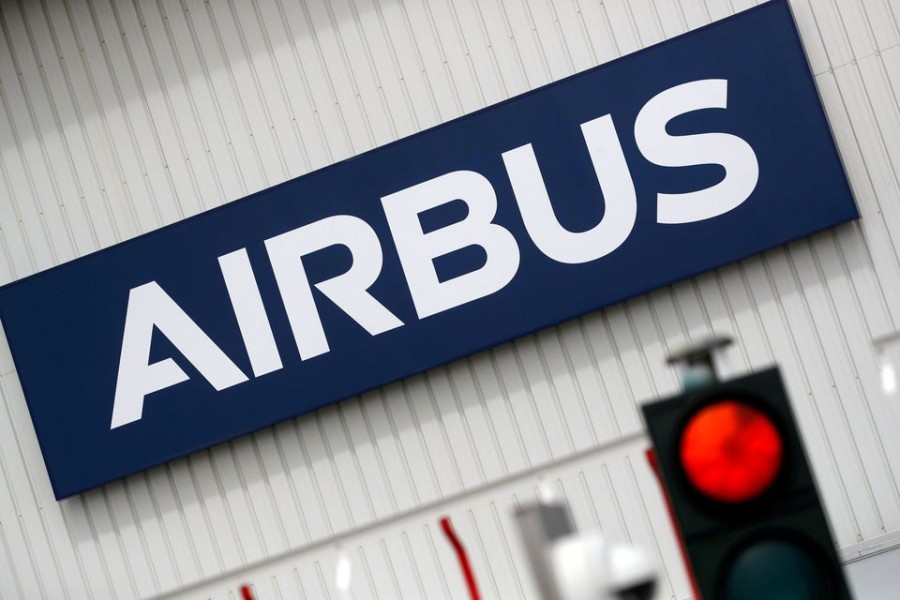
[775,544]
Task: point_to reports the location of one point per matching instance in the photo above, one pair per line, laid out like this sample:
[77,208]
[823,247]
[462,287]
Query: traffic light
[742,493]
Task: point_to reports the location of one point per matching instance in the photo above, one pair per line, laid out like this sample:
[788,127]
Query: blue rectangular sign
[658,166]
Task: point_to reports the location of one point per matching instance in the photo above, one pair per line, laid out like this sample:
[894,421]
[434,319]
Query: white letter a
[149,306]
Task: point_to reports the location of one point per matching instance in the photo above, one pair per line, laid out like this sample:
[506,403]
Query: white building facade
[120,117]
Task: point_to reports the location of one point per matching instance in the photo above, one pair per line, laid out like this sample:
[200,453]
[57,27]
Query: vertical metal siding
[118,117]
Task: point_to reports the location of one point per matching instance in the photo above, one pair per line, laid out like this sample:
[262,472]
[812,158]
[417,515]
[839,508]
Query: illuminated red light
[730,451]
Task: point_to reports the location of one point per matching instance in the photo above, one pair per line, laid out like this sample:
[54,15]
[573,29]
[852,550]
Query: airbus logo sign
[680,158]
[150,306]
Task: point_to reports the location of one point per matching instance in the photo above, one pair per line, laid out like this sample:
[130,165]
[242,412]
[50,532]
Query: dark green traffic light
[777,569]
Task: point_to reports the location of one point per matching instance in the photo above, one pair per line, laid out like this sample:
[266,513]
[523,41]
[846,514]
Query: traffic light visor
[730,451]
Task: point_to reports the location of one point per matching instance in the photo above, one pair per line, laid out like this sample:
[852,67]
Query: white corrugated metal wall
[118,117]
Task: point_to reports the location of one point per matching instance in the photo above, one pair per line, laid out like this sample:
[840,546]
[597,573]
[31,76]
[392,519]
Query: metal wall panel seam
[670,17]
[858,361]
[131,542]
[365,457]
[737,289]
[571,19]
[374,83]
[107,163]
[153,492]
[102,222]
[141,123]
[695,13]
[650,346]
[507,538]
[221,523]
[870,295]
[450,417]
[527,46]
[511,445]
[208,187]
[469,385]
[286,439]
[390,87]
[610,377]
[23,561]
[470,401]
[504,49]
[10,222]
[394,81]
[123,223]
[30,506]
[853,18]
[481,100]
[821,395]
[413,77]
[307,77]
[131,164]
[290,75]
[564,386]
[274,111]
[645,513]
[545,397]
[271,495]
[875,229]
[882,23]
[435,67]
[351,118]
[625,30]
[453,423]
[208,55]
[800,257]
[59,160]
[719,9]
[609,426]
[138,121]
[257,494]
[585,379]
[228,476]
[99,522]
[283,493]
[453,50]
[6,275]
[256,136]
[646,22]
[480,52]
[9,581]
[388,496]
[358,92]
[880,172]
[871,72]
[599,13]
[367,404]
[156,540]
[622,338]
[189,201]
[30,221]
[408,494]
[214,135]
[811,36]
[243,81]
[26,135]
[347,479]
[330,85]
[520,400]
[56,207]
